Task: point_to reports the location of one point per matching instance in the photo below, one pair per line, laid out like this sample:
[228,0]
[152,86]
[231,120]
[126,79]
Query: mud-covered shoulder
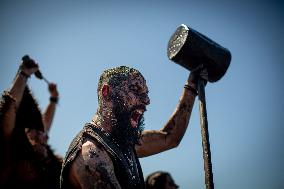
[94,168]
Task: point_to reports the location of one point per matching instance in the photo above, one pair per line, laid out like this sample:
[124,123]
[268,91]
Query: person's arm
[49,112]
[93,168]
[156,141]
[20,81]
[9,104]
[16,93]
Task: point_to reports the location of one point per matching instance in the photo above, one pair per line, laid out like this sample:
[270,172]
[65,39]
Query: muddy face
[130,99]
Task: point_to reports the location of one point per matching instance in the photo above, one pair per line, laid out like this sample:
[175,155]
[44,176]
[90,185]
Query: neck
[102,121]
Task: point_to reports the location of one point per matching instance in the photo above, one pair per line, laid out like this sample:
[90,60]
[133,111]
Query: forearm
[178,122]
[18,87]
[50,109]
[49,115]
[172,133]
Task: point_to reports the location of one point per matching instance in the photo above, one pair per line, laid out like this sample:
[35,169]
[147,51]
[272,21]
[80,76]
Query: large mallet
[191,50]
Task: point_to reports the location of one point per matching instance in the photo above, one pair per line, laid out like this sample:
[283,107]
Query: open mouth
[135,117]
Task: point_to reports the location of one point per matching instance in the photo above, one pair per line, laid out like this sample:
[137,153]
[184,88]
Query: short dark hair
[156,180]
[114,77]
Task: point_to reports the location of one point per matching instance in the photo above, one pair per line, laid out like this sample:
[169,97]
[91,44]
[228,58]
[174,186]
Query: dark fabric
[130,176]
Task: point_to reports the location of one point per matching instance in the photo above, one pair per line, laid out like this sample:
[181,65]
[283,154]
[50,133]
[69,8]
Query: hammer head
[191,49]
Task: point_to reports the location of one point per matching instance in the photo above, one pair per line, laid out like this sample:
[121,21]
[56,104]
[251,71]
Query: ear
[105,91]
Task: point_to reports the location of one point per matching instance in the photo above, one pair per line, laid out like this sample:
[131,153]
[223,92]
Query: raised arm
[15,95]
[8,108]
[25,71]
[49,112]
[93,168]
[155,141]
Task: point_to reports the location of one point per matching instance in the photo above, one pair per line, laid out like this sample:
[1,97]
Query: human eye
[134,88]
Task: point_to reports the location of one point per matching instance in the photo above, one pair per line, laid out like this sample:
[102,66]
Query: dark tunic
[126,164]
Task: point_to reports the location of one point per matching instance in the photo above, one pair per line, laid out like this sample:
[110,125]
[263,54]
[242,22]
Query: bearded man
[105,152]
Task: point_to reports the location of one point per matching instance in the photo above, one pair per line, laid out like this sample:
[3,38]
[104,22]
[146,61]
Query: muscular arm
[156,141]
[93,168]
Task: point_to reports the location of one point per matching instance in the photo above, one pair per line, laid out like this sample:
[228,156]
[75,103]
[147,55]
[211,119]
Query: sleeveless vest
[127,167]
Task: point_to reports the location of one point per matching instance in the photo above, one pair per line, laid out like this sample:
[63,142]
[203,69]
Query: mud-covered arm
[156,141]
[93,168]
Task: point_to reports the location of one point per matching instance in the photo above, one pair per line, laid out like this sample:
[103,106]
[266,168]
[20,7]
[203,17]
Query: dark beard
[122,131]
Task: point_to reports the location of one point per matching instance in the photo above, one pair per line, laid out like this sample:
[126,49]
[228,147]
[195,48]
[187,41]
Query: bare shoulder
[93,168]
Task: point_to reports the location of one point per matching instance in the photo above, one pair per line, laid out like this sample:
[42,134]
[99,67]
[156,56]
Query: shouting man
[105,152]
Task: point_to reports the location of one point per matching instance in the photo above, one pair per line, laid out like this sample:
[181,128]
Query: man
[26,159]
[160,180]
[105,153]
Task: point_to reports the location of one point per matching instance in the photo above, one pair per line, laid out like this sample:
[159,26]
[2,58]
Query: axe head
[191,49]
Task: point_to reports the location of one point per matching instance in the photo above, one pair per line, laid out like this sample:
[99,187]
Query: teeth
[136,116]
[139,111]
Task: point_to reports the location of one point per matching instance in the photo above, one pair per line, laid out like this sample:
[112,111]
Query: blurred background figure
[26,160]
[160,180]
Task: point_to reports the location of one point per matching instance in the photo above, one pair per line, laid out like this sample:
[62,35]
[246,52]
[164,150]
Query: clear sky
[74,41]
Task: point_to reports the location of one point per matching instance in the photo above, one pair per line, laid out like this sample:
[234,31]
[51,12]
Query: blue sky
[74,41]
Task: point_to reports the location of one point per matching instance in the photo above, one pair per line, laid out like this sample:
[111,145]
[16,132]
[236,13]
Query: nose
[147,100]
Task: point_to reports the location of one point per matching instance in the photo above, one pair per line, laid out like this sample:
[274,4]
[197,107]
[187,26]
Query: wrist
[191,88]
[24,74]
[54,99]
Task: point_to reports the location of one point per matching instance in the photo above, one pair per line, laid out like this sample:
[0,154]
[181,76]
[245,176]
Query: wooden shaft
[205,135]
